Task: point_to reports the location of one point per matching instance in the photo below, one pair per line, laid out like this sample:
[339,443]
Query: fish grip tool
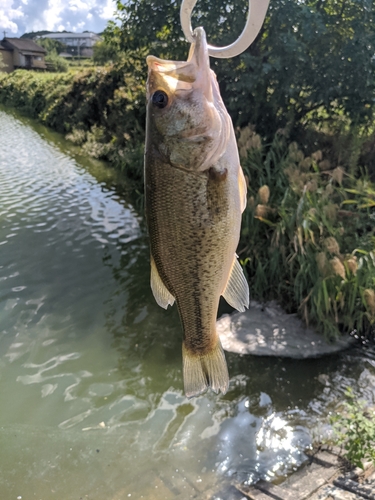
[257,13]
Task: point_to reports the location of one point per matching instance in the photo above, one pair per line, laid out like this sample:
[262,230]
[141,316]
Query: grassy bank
[100,109]
[308,237]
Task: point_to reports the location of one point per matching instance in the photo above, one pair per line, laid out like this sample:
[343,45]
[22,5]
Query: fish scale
[189,261]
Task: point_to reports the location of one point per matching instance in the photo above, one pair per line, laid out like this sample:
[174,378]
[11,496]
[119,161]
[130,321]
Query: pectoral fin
[236,292]
[242,189]
[161,294]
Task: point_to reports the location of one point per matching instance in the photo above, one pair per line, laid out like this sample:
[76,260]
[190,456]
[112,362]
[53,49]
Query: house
[22,53]
[80,44]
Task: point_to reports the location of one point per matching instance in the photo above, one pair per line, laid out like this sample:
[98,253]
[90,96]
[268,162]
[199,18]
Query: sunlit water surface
[91,401]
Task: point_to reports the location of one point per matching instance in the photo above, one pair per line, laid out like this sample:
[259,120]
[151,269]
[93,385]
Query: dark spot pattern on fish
[189,221]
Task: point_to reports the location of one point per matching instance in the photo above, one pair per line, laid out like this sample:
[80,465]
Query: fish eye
[159,99]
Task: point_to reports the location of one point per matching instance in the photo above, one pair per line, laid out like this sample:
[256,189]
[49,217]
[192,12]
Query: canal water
[91,400]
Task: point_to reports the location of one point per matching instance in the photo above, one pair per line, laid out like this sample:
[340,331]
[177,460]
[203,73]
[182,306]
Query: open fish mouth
[184,75]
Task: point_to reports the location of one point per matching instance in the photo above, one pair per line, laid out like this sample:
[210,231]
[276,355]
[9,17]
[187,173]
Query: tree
[104,53]
[53,47]
[57,63]
[313,59]
[2,63]
[34,34]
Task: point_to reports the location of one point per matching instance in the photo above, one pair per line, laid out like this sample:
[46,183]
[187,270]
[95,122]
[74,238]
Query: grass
[354,430]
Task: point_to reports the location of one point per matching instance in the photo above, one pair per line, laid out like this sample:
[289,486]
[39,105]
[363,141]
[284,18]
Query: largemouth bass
[195,194]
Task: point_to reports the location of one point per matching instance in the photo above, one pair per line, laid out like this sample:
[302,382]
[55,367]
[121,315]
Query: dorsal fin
[161,294]
[236,292]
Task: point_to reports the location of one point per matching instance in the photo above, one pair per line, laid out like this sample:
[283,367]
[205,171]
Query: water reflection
[90,365]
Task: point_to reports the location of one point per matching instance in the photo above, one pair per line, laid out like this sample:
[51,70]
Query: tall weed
[354,428]
[310,243]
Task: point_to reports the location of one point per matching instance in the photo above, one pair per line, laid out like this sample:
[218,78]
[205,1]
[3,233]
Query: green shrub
[354,429]
[104,53]
[30,91]
[56,63]
[102,109]
[51,46]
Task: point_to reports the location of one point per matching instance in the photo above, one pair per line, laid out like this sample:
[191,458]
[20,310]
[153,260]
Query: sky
[21,16]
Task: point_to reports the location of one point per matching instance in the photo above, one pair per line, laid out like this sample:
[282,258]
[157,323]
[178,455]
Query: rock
[267,330]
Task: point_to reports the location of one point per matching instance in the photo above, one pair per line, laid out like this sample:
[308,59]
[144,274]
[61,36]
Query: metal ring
[257,13]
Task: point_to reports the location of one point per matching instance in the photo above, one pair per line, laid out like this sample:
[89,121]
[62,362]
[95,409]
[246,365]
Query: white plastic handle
[257,13]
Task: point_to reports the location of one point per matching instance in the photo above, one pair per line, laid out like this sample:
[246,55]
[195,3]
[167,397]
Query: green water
[91,401]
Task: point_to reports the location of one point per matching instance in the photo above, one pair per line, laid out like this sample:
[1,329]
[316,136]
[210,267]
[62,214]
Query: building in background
[77,44]
[21,53]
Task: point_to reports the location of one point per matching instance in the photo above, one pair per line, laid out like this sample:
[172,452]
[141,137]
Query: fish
[195,193]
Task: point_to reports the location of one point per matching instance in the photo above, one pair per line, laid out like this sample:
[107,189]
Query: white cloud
[50,18]
[20,16]
[107,10]
[8,15]
[79,5]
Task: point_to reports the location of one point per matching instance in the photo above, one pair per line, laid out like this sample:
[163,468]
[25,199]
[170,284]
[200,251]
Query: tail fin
[201,372]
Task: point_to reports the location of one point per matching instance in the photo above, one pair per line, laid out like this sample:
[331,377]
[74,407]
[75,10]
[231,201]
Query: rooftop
[22,44]
[70,35]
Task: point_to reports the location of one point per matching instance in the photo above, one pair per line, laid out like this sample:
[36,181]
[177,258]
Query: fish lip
[164,65]
[198,55]
[199,49]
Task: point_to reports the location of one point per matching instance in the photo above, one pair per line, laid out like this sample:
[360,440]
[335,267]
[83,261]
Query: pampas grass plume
[369,296]
[331,245]
[338,267]
[352,264]
[264,194]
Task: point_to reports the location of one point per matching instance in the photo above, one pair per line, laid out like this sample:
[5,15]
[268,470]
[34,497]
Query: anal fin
[162,296]
[236,292]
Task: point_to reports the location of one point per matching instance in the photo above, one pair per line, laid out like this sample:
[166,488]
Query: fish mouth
[184,75]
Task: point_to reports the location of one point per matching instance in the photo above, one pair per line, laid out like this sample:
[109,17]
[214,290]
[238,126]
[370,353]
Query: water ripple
[44,193]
